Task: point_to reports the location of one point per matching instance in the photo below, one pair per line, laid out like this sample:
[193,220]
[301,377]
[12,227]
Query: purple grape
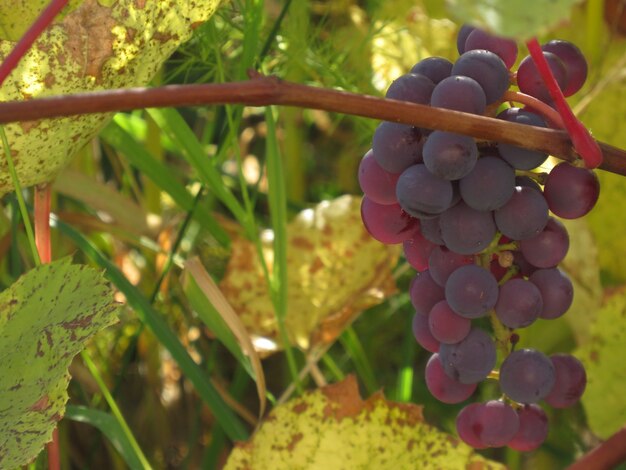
[530,82]
[506,49]
[525,268]
[412,87]
[425,293]
[464,32]
[524,216]
[471,291]
[489,185]
[420,192]
[435,68]
[376,183]
[533,429]
[449,156]
[549,248]
[519,303]
[387,223]
[431,230]
[396,146]
[526,376]
[471,360]
[422,334]
[528,182]
[442,387]
[521,158]
[443,262]
[460,94]
[491,424]
[574,62]
[571,192]
[556,290]
[466,230]
[446,326]
[417,250]
[487,69]
[570,381]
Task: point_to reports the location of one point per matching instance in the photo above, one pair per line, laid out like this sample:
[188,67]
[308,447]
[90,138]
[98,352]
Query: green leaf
[109,426]
[95,47]
[604,399]
[45,318]
[17,16]
[334,428]
[520,19]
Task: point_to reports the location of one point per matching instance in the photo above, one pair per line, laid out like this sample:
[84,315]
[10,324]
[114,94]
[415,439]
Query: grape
[506,49]
[471,291]
[376,183]
[525,268]
[487,69]
[524,215]
[422,334]
[445,325]
[412,87]
[574,62]
[425,293]
[431,230]
[387,223]
[459,93]
[417,251]
[466,230]
[571,192]
[526,376]
[435,68]
[449,156]
[442,387]
[533,429]
[521,158]
[519,303]
[530,82]
[528,182]
[489,185]
[549,247]
[491,424]
[461,37]
[443,262]
[396,146]
[470,360]
[421,193]
[556,290]
[570,381]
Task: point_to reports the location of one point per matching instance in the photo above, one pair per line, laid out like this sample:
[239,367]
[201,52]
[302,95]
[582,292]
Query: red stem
[606,456]
[537,105]
[42,240]
[29,37]
[584,144]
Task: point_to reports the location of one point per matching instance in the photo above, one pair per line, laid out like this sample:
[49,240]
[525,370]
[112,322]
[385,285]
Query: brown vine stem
[265,91]
[605,456]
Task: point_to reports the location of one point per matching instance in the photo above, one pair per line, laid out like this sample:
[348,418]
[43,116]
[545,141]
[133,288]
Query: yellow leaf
[335,270]
[332,428]
[95,47]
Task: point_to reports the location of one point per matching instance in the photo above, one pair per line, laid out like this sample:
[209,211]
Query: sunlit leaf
[334,428]
[95,47]
[604,399]
[520,19]
[45,318]
[16,16]
[335,270]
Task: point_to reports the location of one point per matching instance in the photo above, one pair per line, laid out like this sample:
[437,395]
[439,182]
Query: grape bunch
[478,221]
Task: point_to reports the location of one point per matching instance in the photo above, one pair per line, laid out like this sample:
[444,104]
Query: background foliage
[158,187]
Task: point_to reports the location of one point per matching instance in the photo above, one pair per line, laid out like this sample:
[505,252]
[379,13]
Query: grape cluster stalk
[480,223]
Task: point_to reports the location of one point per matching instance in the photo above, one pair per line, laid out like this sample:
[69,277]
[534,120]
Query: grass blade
[215,297]
[231,424]
[111,428]
[354,348]
[140,158]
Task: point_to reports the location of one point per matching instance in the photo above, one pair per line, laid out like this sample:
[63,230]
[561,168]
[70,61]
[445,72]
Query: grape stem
[266,91]
[537,105]
[501,332]
[605,456]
